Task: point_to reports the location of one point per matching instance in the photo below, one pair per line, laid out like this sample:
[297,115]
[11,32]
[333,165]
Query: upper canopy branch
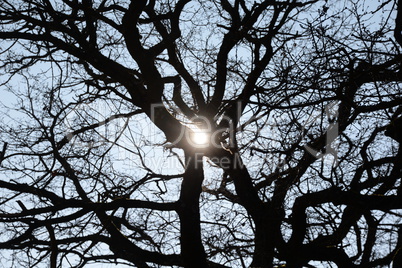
[398,23]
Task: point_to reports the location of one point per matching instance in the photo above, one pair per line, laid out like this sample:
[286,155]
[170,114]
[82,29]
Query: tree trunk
[192,250]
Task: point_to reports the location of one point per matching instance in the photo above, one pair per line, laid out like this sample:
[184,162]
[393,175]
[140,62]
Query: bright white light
[200,137]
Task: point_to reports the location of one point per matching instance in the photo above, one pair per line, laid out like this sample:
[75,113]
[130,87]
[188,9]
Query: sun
[200,138]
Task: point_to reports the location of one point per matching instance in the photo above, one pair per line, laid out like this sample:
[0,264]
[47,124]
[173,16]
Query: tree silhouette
[104,102]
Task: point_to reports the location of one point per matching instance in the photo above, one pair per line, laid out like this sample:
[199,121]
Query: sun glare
[200,138]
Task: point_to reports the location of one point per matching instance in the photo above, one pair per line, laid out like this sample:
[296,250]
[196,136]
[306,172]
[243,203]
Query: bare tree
[201,133]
